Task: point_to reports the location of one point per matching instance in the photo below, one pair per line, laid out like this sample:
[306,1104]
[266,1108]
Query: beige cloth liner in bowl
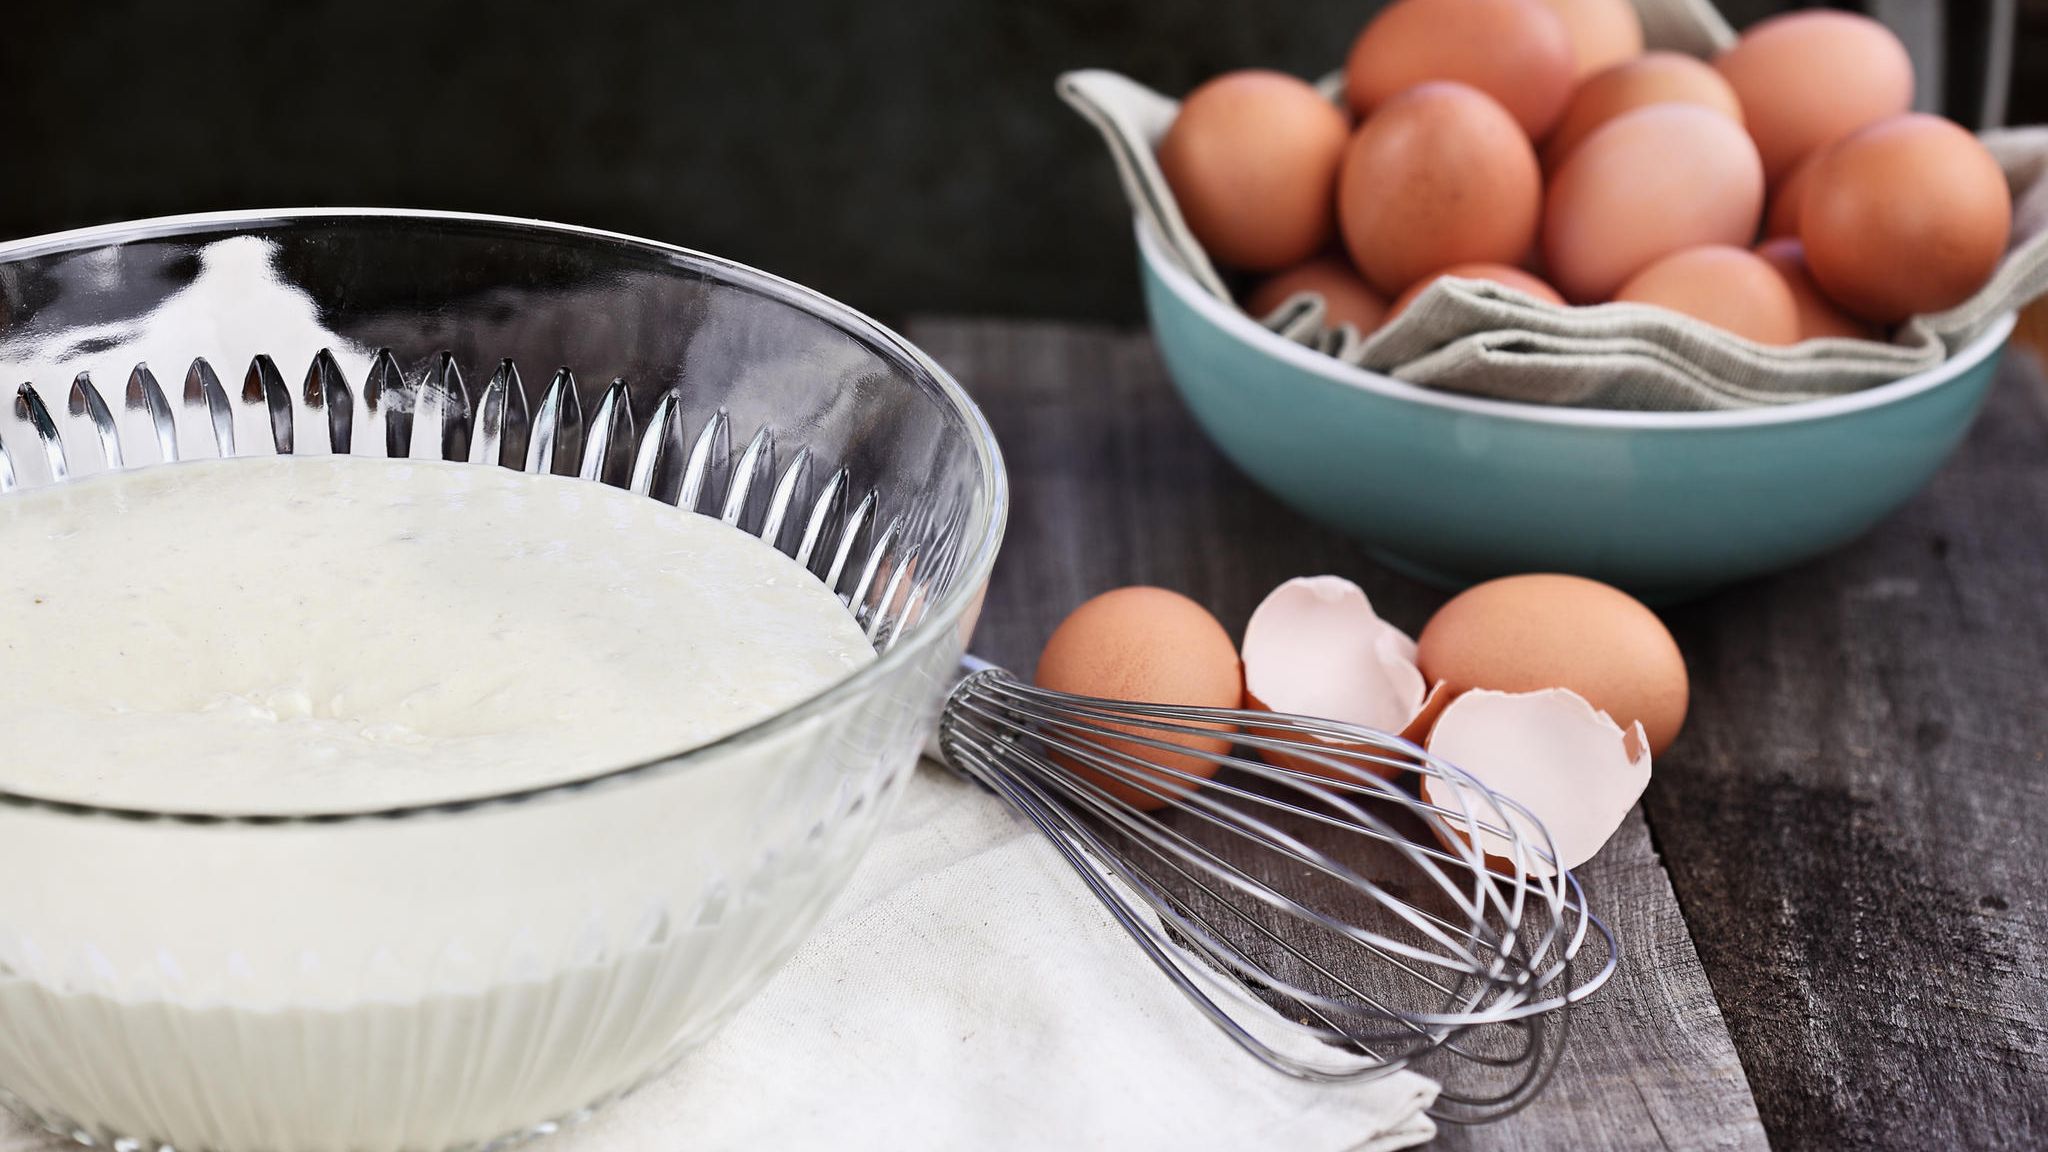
[1474,337]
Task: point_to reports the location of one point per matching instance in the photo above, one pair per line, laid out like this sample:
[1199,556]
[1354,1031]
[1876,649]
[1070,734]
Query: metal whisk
[1334,924]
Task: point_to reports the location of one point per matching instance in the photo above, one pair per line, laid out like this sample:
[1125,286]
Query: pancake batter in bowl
[331,635]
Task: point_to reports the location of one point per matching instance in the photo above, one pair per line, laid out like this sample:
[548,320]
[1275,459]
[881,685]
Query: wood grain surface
[1114,485]
[1855,818]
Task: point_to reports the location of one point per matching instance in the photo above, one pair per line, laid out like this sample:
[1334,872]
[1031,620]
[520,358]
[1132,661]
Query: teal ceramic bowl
[1455,489]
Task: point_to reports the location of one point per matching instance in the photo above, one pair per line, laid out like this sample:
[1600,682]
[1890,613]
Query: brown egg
[1642,186]
[1347,299]
[1440,175]
[1516,51]
[1501,274]
[1818,315]
[1809,78]
[1529,633]
[1252,159]
[1152,646]
[1603,32]
[1782,217]
[1658,78]
[1909,215]
[1731,288]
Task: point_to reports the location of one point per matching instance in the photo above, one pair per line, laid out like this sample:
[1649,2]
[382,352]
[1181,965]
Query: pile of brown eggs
[1781,191]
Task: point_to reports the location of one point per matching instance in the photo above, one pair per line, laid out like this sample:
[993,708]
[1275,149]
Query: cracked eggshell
[1315,647]
[1568,763]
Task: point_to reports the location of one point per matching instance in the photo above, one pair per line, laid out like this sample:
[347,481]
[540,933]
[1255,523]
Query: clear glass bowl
[212,980]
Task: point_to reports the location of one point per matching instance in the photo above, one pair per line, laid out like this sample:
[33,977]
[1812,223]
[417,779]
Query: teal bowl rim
[1237,324]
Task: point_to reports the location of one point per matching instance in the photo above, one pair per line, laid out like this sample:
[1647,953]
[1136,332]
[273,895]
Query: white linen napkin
[968,992]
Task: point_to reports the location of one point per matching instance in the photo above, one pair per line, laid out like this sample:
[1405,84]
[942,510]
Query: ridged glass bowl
[455,975]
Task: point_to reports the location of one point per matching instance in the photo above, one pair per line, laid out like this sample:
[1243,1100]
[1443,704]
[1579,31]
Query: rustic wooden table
[1833,899]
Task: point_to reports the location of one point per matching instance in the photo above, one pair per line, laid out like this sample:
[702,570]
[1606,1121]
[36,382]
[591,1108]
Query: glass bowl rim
[992,507]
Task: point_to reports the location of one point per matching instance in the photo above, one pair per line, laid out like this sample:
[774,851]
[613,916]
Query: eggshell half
[1315,647]
[1567,762]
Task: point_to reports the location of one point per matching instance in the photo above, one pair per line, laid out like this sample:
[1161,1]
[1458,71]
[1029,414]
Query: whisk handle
[970,667]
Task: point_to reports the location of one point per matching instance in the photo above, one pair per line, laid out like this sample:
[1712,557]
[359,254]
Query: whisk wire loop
[1203,803]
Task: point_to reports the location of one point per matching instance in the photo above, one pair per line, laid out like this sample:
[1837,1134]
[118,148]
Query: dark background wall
[903,156]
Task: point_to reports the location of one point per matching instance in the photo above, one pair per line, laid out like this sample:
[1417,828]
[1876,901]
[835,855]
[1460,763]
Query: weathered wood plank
[1114,485]
[1855,819]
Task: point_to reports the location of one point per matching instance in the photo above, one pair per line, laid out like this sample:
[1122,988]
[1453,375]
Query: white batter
[342,633]
[335,634]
